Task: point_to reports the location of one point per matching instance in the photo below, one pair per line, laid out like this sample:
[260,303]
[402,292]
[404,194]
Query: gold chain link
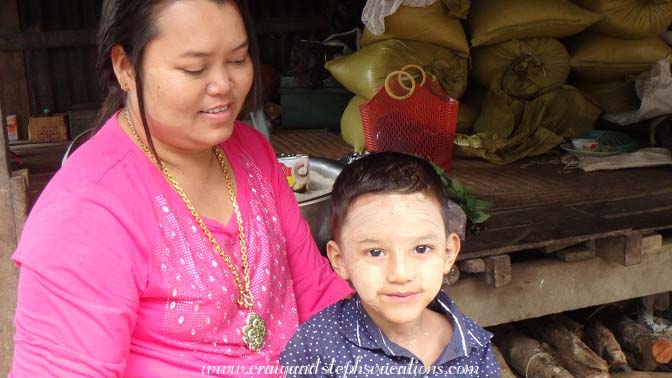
[245,299]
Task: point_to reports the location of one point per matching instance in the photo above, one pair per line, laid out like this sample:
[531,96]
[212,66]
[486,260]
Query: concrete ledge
[548,286]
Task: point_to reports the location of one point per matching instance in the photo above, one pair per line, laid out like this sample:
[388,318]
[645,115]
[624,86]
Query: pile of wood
[608,340]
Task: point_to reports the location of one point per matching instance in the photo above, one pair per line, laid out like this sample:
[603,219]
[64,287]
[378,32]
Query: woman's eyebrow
[205,54]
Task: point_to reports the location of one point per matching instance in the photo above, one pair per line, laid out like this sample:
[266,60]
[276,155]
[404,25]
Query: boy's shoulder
[328,320]
[471,332]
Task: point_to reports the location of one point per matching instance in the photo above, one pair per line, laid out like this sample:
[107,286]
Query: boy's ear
[452,249]
[336,258]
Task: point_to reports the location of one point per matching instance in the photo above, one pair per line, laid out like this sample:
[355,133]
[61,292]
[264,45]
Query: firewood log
[566,345]
[527,357]
[649,350]
[504,369]
[604,343]
[571,324]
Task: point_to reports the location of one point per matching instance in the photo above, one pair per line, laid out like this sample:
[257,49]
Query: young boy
[393,244]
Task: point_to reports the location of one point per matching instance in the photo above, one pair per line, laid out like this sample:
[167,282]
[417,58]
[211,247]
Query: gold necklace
[254,331]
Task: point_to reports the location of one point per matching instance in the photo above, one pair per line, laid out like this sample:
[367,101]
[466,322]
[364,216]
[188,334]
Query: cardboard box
[51,128]
[12,128]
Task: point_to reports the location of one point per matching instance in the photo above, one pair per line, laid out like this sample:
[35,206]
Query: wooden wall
[47,47]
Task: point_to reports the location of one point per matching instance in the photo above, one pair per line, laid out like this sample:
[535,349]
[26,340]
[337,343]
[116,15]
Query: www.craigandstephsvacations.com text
[329,367]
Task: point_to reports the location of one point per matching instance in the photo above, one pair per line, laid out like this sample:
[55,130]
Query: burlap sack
[631,19]
[466,116]
[508,130]
[432,24]
[457,8]
[597,58]
[521,68]
[351,125]
[364,71]
[613,96]
[492,21]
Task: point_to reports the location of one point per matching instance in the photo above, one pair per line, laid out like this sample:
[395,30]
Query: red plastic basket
[406,116]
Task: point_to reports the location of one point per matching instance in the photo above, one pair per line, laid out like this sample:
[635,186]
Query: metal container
[317,210]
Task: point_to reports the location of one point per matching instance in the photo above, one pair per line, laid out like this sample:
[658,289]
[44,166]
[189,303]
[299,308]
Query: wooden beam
[47,40]
[562,286]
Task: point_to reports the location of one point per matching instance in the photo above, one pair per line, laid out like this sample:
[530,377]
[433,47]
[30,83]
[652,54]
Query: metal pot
[317,211]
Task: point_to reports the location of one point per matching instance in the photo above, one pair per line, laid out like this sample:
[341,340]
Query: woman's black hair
[130,24]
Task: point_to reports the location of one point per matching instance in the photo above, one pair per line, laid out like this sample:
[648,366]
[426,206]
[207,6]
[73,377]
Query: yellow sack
[631,19]
[432,24]
[613,96]
[492,21]
[364,71]
[457,8]
[597,58]
[351,125]
[523,67]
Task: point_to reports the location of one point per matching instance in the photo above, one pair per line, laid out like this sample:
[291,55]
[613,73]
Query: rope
[529,362]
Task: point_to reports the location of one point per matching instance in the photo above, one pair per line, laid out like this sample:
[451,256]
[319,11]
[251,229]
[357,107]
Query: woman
[169,243]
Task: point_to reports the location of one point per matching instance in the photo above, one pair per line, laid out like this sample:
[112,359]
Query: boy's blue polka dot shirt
[342,341]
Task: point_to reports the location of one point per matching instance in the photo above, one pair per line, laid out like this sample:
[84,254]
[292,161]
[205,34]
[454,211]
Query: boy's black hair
[385,172]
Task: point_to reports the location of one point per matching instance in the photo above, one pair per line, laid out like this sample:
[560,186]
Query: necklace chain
[245,299]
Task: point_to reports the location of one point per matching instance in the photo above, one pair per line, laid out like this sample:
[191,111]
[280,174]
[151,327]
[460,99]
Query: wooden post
[498,271]
[8,271]
[625,250]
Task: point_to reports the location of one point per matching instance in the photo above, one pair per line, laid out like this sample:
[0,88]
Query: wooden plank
[47,40]
[8,271]
[19,183]
[40,81]
[472,266]
[576,253]
[626,207]
[14,88]
[9,16]
[561,225]
[547,286]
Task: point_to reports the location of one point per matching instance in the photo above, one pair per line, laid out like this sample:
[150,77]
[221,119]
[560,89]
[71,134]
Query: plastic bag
[375,11]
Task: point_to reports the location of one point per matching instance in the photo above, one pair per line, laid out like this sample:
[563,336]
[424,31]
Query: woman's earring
[125,87]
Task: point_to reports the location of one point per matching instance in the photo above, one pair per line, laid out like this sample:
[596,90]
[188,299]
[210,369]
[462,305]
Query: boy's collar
[365,334]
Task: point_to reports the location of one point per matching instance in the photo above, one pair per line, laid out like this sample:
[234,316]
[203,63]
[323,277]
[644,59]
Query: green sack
[631,19]
[613,96]
[523,67]
[508,130]
[351,125]
[364,71]
[597,58]
[492,21]
[457,8]
[432,24]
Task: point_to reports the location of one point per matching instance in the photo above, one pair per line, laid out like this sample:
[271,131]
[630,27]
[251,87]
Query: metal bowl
[317,210]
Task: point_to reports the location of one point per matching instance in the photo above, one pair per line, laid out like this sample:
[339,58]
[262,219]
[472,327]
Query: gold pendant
[254,332]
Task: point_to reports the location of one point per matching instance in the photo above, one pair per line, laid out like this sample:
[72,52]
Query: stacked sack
[430,37]
[606,59]
[518,57]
